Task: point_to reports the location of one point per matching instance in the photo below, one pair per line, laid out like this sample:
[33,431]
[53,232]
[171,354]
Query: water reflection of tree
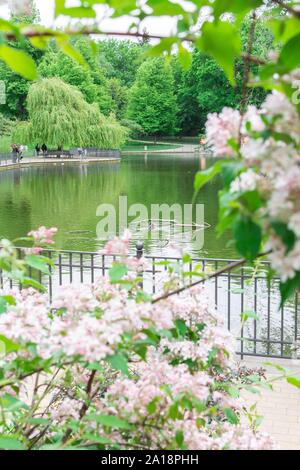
[68,195]
[15,215]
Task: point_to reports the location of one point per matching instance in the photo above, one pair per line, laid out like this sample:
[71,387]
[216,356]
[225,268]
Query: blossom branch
[12,381]
[230,267]
[84,407]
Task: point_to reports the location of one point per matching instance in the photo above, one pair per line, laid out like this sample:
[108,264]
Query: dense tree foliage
[120,78]
[122,59]
[152,102]
[59,115]
[94,89]
[17,86]
[204,87]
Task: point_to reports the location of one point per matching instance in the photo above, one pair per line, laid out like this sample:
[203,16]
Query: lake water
[67,196]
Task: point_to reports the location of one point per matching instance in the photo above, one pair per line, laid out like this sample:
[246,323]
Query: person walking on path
[44,149]
[21,149]
[37,150]
[80,152]
[15,153]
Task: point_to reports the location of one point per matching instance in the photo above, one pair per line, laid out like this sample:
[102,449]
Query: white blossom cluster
[268,141]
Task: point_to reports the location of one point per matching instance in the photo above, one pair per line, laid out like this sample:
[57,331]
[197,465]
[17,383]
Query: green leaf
[236,6]
[4,301]
[288,288]
[18,61]
[165,45]
[231,416]
[98,439]
[203,177]
[39,42]
[237,290]
[277,366]
[37,262]
[79,12]
[117,272]
[39,421]
[287,236]
[70,51]
[173,411]
[222,41]
[246,315]
[181,327]
[94,366]
[248,236]
[163,7]
[289,56]
[123,7]
[11,403]
[119,362]
[110,421]
[28,282]
[8,345]
[141,350]
[251,200]
[85,11]
[294,381]
[179,437]
[185,57]
[10,443]
[229,171]
[284,28]
[152,406]
[233,392]
[199,404]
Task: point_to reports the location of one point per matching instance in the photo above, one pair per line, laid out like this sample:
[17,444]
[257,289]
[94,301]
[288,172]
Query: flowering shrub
[261,196]
[102,367]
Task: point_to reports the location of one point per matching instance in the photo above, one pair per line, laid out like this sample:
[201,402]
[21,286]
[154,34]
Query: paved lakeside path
[279,408]
[184,148]
[28,161]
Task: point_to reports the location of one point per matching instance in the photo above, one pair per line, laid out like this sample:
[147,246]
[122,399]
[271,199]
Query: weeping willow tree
[60,117]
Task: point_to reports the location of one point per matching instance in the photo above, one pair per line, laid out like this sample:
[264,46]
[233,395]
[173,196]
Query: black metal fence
[275,333]
[7,159]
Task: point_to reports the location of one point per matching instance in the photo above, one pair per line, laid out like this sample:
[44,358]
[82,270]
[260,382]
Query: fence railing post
[139,250]
[139,254]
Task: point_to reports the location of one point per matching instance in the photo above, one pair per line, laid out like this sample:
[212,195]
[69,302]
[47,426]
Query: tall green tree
[122,59]
[152,102]
[204,88]
[88,79]
[16,87]
[60,117]
[119,95]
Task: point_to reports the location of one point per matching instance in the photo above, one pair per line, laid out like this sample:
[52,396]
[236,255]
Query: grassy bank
[136,146]
[5,143]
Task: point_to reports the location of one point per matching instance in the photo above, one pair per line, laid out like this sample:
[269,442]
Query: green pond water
[67,196]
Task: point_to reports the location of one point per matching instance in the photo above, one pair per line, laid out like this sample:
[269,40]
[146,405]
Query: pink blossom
[220,128]
[43,235]
[118,245]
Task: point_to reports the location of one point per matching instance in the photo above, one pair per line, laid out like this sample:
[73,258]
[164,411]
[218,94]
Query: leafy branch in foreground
[220,39]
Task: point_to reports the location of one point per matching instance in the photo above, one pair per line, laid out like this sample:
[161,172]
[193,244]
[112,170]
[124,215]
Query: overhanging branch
[230,267]
[96,32]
